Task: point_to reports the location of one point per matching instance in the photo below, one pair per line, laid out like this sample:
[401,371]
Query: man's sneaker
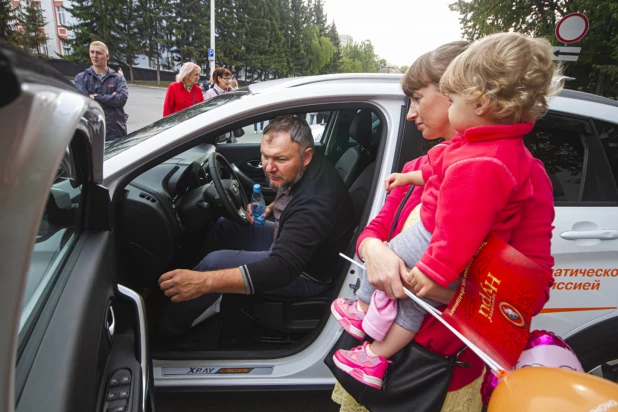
[349,316]
[363,367]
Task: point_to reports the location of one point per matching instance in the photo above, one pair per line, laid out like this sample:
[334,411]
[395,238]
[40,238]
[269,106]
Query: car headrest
[360,128]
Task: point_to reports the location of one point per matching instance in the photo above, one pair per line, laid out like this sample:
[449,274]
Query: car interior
[165,214]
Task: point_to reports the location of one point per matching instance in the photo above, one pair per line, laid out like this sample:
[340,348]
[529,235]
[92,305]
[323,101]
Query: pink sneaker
[363,367]
[349,316]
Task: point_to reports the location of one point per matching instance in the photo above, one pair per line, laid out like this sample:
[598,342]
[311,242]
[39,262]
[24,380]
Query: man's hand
[421,284]
[91,96]
[384,268]
[182,284]
[267,212]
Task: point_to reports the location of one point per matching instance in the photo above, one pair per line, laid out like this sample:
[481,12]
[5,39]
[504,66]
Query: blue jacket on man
[88,82]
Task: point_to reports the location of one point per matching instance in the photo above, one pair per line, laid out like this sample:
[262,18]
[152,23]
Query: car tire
[597,348]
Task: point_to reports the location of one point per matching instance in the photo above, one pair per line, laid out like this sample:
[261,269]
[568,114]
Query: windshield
[145,133]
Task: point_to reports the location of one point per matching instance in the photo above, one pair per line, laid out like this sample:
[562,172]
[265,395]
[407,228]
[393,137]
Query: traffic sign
[211,54]
[569,54]
[572,27]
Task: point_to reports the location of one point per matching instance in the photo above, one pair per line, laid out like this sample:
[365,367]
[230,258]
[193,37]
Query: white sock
[358,307]
[369,351]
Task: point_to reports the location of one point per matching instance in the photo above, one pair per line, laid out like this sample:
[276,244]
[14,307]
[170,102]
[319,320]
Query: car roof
[360,78]
[378,79]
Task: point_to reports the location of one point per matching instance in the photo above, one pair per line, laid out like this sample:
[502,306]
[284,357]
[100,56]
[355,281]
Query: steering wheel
[229,193]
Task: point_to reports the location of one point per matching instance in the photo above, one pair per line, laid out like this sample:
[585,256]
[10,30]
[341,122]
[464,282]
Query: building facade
[57,19]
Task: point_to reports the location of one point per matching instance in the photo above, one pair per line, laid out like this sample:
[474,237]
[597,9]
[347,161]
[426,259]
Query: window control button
[123,394]
[125,380]
[114,382]
[112,396]
[117,409]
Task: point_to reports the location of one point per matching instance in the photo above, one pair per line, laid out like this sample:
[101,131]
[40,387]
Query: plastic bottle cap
[257,188]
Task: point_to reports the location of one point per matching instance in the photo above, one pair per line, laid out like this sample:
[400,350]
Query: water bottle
[258,207]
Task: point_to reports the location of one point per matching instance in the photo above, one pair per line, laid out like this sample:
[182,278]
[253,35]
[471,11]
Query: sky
[400,30]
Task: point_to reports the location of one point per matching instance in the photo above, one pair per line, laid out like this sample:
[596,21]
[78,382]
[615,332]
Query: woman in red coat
[184,92]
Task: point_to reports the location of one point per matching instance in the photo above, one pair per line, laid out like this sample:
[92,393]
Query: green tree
[319,50]
[404,68]
[351,66]
[230,34]
[319,17]
[255,27]
[32,21]
[334,65]
[191,32]
[278,46]
[126,36]
[596,70]
[298,46]
[96,20]
[154,30]
[7,17]
[364,54]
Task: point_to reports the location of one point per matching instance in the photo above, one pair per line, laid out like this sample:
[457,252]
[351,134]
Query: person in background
[108,88]
[234,84]
[184,92]
[221,79]
[120,71]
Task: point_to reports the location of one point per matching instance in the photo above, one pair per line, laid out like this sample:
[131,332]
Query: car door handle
[590,234]
[256,164]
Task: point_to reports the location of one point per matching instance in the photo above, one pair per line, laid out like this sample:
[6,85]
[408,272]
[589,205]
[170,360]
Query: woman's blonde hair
[430,67]
[186,70]
[508,73]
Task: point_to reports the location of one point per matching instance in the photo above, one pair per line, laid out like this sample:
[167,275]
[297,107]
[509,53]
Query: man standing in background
[107,87]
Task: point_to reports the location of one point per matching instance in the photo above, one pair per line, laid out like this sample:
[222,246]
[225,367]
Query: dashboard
[163,209]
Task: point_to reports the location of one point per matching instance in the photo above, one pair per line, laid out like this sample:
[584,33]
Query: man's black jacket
[315,226]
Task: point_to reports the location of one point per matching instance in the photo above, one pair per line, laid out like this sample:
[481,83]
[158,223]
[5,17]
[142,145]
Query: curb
[147,87]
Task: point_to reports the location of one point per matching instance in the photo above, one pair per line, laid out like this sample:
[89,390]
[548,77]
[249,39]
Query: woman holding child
[482,105]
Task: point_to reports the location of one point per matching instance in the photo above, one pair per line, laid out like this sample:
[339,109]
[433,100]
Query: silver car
[87,228]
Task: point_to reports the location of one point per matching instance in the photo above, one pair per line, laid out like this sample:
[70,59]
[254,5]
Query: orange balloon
[536,389]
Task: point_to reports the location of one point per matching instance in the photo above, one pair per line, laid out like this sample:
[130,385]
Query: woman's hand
[384,268]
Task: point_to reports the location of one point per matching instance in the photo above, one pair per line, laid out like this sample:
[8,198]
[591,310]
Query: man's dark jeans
[233,246]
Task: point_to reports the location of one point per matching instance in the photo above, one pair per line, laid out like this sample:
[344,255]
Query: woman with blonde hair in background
[184,92]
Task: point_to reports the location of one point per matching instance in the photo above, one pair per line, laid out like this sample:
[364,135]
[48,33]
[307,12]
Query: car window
[558,144]
[608,133]
[145,133]
[56,235]
[252,133]
[562,152]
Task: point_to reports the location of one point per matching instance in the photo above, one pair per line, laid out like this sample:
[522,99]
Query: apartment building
[57,18]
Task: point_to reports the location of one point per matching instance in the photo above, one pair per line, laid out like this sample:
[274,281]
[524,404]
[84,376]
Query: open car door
[73,337]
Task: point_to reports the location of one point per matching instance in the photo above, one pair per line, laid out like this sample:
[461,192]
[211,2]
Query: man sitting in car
[296,255]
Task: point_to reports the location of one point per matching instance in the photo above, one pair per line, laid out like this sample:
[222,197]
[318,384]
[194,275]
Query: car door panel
[76,357]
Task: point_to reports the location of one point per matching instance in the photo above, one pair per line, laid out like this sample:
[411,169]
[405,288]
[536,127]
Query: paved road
[145,105]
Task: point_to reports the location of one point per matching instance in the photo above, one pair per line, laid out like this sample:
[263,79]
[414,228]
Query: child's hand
[420,283]
[394,180]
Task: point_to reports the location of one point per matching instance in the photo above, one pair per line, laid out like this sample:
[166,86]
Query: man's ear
[308,156]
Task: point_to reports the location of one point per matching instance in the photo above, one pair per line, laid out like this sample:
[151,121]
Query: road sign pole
[212,35]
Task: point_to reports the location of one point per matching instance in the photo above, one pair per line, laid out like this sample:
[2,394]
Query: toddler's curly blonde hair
[509,74]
